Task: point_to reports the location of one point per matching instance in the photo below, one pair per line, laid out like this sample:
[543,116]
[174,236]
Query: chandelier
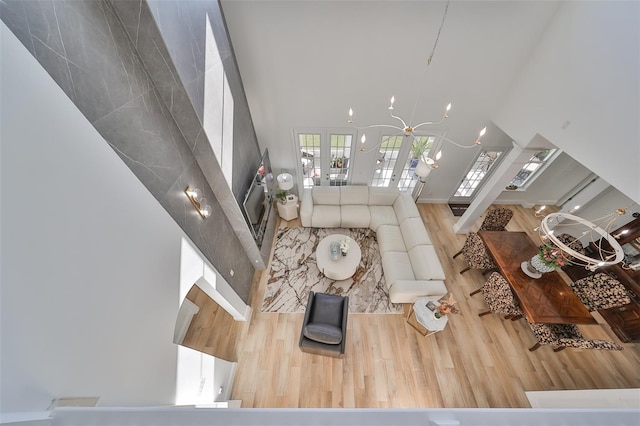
[568,232]
[413,131]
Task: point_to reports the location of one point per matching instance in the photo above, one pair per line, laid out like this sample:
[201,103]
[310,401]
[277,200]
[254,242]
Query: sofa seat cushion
[354,195]
[425,263]
[324,333]
[396,266]
[354,216]
[405,208]
[326,216]
[382,196]
[326,195]
[382,215]
[390,238]
[414,233]
[408,291]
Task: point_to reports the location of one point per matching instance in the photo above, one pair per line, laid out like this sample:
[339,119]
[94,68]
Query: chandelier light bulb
[446,110]
[363,139]
[350,116]
[573,210]
[206,211]
[439,155]
[480,135]
[393,99]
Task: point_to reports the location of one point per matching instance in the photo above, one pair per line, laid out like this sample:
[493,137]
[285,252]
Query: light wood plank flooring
[474,362]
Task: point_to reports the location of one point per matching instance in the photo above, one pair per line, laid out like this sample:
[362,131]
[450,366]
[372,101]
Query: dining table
[548,299]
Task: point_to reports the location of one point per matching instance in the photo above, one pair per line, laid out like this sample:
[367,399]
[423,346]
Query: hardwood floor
[474,362]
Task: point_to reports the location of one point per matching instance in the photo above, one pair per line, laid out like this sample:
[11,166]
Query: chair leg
[465,269]
[486,271]
[561,348]
[457,254]
[516,317]
[534,347]
[475,291]
[484,313]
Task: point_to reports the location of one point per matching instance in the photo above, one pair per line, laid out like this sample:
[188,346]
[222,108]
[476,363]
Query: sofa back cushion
[379,196]
[354,195]
[405,207]
[414,232]
[327,195]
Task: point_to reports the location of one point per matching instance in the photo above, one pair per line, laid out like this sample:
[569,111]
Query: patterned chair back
[496,219]
[475,253]
[498,296]
[600,291]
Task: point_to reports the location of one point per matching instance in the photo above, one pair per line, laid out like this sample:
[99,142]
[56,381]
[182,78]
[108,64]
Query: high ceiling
[305,63]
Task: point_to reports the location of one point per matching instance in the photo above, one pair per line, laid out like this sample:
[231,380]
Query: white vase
[536,263]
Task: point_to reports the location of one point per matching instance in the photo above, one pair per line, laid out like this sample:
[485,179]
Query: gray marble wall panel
[183,29]
[180,83]
[85,48]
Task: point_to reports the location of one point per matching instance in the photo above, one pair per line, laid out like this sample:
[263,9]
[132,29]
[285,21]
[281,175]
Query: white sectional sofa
[409,260]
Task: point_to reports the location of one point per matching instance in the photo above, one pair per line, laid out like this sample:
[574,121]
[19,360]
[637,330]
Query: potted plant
[417,149]
[282,196]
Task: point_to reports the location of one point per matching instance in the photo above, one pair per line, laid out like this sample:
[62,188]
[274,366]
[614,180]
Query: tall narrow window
[478,171]
[532,167]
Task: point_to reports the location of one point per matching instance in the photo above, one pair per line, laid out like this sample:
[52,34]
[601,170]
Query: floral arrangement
[553,257]
[447,307]
[344,246]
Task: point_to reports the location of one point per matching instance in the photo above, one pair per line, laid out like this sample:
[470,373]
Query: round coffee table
[345,266]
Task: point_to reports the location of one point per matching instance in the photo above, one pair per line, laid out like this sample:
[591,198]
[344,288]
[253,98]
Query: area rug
[294,273]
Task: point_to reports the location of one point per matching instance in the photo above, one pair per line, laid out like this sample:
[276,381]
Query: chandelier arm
[433,123]
[391,126]
[454,142]
[404,125]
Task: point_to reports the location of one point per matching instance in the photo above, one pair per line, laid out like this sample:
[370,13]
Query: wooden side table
[288,211]
[422,319]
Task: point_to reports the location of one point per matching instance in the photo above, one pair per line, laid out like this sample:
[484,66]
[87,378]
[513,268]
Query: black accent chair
[324,330]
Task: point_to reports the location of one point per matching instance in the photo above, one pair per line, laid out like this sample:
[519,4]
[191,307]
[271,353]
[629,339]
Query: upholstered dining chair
[496,219]
[324,329]
[475,253]
[600,291]
[564,336]
[499,297]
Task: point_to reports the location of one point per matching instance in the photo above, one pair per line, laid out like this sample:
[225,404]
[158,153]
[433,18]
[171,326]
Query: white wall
[585,71]
[90,260]
[560,177]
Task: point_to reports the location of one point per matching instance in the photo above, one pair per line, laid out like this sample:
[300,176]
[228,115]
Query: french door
[325,157]
[397,160]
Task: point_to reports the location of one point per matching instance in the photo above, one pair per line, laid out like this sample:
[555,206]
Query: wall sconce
[199,202]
